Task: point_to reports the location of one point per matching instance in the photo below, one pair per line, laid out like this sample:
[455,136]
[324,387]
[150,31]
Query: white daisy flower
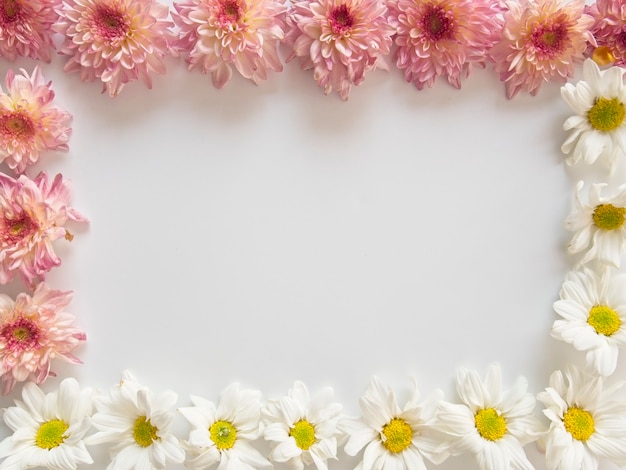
[599,225]
[593,308]
[586,422]
[598,127]
[303,430]
[48,428]
[492,424]
[222,434]
[138,426]
[394,438]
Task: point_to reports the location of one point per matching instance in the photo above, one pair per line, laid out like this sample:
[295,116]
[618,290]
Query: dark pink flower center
[550,39]
[341,20]
[16,229]
[21,334]
[230,12]
[436,24]
[10,10]
[111,24]
[16,125]
[621,37]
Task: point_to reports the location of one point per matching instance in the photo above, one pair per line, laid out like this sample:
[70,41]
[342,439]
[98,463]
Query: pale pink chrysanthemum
[29,121]
[609,28]
[542,41]
[26,28]
[32,215]
[443,37]
[116,41]
[218,33]
[33,331]
[339,39]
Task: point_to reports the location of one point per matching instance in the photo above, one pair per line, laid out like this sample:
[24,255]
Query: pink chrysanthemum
[443,37]
[339,39]
[29,122]
[116,41]
[26,28]
[218,33]
[609,27]
[543,40]
[32,215]
[33,331]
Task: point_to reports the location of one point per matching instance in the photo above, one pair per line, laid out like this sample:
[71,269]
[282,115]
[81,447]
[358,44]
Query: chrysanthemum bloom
[26,28]
[137,425]
[586,422]
[116,41]
[443,37]
[543,40]
[393,437]
[339,39]
[49,429]
[599,225]
[492,424]
[29,121]
[221,435]
[34,331]
[593,307]
[598,126]
[609,28]
[302,430]
[219,33]
[33,214]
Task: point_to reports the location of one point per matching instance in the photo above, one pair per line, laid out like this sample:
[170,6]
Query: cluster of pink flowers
[34,329]
[530,42]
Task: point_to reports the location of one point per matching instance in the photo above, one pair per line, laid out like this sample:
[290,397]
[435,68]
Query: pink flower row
[119,41]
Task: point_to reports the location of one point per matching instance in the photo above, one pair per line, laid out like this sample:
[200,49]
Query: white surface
[268,234]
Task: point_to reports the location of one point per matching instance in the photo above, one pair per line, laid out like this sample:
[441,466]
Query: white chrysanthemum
[303,430]
[138,426]
[593,308]
[48,429]
[598,127]
[393,437]
[587,422]
[600,223]
[222,434]
[492,424]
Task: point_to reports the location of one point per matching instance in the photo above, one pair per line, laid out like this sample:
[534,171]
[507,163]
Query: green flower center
[304,434]
[606,115]
[604,320]
[50,434]
[579,423]
[397,435]
[223,434]
[608,217]
[144,432]
[490,424]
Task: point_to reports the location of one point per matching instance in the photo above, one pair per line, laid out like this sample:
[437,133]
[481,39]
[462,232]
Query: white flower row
[586,422]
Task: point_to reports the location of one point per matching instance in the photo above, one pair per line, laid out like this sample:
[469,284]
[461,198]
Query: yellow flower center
[50,434]
[490,424]
[579,423]
[11,8]
[606,115]
[397,435]
[304,434]
[604,320]
[144,433]
[602,55]
[223,434]
[608,217]
[17,124]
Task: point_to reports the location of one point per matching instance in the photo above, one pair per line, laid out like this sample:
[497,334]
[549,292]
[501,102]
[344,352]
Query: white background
[266,234]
